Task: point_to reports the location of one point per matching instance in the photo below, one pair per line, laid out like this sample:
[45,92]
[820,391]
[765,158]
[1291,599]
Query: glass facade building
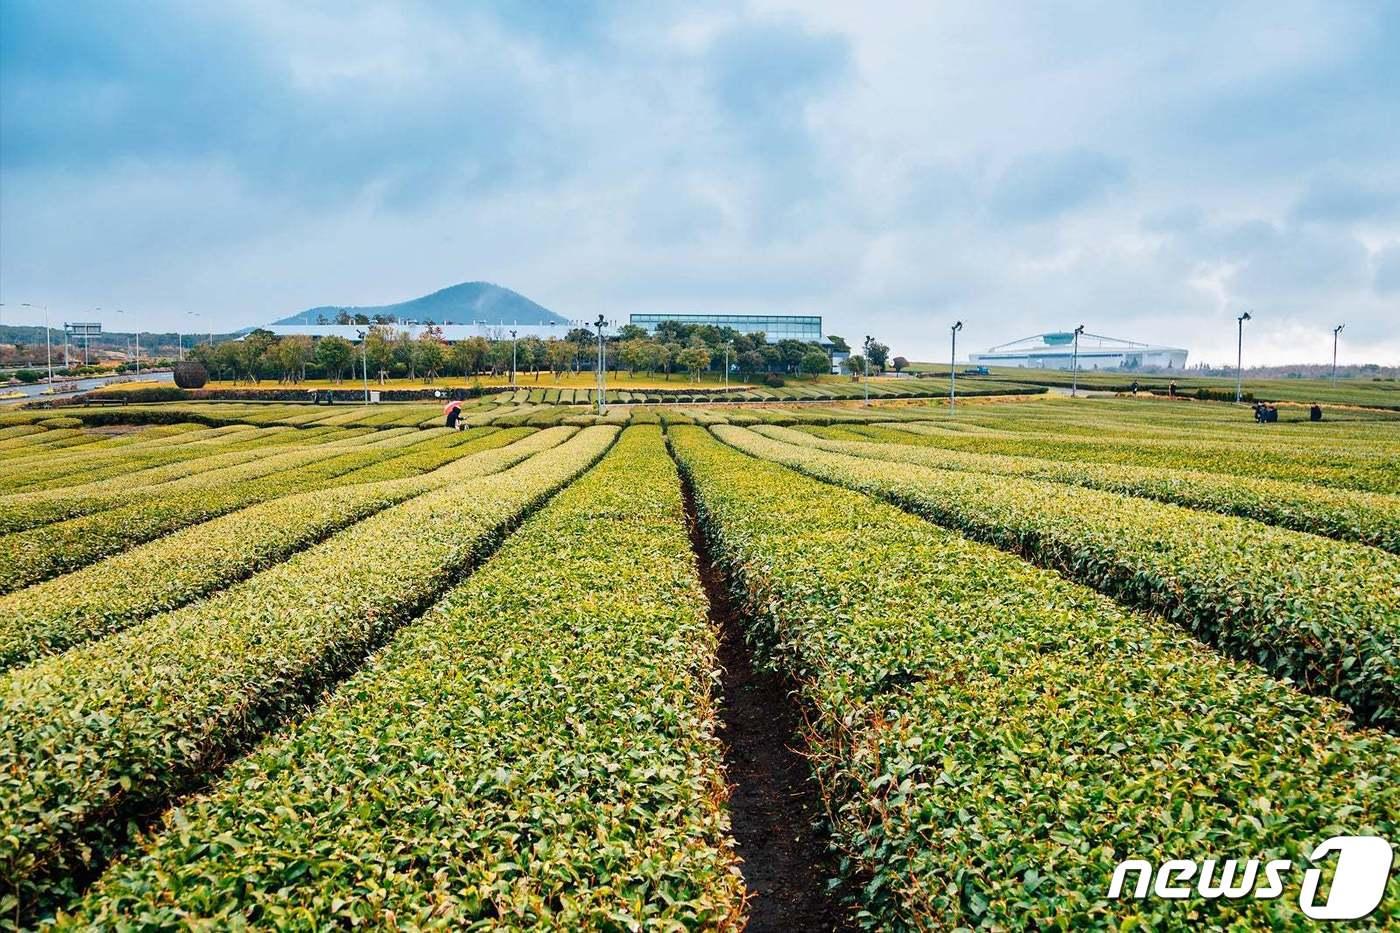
[807,328]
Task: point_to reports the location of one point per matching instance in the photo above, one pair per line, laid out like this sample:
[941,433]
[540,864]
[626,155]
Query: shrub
[991,739]
[176,569]
[774,381]
[578,785]
[1325,614]
[168,700]
[191,374]
[1345,514]
[28,376]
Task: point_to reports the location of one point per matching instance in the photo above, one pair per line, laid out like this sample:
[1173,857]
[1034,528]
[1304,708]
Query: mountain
[457,304]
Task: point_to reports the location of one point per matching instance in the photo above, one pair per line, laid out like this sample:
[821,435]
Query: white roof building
[1056,351]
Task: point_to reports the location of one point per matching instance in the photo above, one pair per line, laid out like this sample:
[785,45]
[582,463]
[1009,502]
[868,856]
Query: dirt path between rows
[775,812]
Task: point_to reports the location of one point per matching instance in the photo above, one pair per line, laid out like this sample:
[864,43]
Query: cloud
[1343,200]
[885,168]
[1043,186]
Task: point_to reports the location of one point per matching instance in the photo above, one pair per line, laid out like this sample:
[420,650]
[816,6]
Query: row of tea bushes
[37,554]
[991,739]
[537,751]
[43,468]
[1262,457]
[107,731]
[84,494]
[1323,613]
[1346,514]
[174,570]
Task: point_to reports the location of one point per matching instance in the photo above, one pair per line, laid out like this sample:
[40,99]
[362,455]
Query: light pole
[1074,378]
[953,370]
[48,347]
[866,348]
[1336,332]
[602,382]
[1239,358]
[138,346]
[364,357]
[726,368]
[512,358]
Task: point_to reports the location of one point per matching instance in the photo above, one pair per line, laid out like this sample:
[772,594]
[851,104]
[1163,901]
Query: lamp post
[866,348]
[602,381]
[726,368]
[48,347]
[512,358]
[364,357]
[1074,378]
[1336,332]
[953,370]
[1239,358]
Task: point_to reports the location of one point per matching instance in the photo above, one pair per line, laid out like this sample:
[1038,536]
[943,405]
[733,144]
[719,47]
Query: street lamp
[602,382]
[866,348]
[48,348]
[1239,358]
[727,347]
[364,356]
[1336,331]
[138,346]
[512,358]
[1074,378]
[953,370]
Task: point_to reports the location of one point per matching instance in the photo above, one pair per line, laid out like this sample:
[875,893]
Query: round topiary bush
[774,381]
[191,375]
[61,422]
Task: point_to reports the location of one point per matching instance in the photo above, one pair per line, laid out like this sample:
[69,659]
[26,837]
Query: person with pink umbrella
[453,410]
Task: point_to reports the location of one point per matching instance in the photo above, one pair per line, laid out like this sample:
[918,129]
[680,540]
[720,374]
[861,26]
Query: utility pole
[364,357]
[1239,358]
[602,381]
[1074,379]
[48,347]
[726,368]
[866,348]
[512,358]
[1336,332]
[952,369]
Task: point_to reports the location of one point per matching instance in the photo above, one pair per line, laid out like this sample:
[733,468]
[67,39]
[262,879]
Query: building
[1056,351]
[803,327]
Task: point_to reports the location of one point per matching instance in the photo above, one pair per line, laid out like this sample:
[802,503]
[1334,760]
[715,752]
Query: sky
[1147,170]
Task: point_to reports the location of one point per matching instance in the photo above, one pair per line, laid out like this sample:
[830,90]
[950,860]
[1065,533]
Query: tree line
[388,352]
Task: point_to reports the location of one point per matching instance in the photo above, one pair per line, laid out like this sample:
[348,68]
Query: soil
[776,815]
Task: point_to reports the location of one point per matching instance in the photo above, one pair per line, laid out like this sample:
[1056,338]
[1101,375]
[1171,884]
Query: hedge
[991,739]
[36,554]
[1262,456]
[169,572]
[546,732]
[1322,613]
[110,730]
[56,500]
[1345,514]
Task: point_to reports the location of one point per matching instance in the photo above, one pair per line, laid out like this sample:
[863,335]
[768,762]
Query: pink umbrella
[449,406]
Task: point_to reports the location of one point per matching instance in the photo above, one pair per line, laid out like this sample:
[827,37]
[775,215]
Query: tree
[900,363]
[559,354]
[479,349]
[838,344]
[877,352]
[792,352]
[695,359]
[634,354]
[814,363]
[292,354]
[632,332]
[855,364]
[428,353]
[335,355]
[377,349]
[752,362]
[402,349]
